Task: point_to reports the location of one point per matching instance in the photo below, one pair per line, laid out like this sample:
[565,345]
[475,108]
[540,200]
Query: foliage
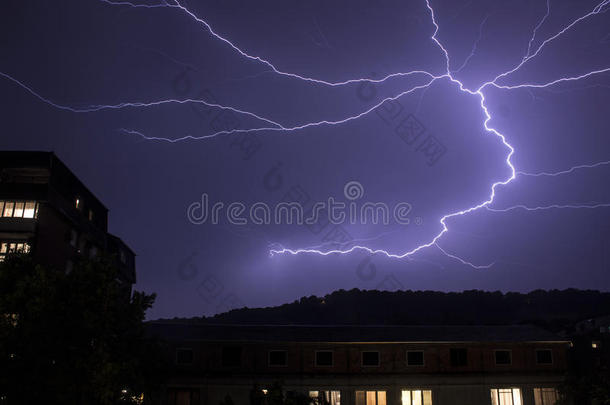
[72,338]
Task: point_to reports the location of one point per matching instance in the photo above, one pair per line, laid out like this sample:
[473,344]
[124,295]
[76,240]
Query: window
[18,209]
[325,397]
[90,215]
[416,397]
[278,358]
[78,204]
[370,398]
[544,356]
[324,358]
[459,357]
[30,209]
[545,396]
[8,209]
[13,247]
[182,396]
[506,396]
[231,356]
[503,357]
[370,359]
[415,358]
[184,356]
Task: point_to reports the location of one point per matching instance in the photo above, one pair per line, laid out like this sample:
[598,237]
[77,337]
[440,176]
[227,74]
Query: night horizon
[401,146]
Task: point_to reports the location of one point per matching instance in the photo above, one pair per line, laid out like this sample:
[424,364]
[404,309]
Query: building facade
[45,210]
[365,365]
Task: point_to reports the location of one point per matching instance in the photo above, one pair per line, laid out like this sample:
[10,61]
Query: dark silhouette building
[365,365]
[45,210]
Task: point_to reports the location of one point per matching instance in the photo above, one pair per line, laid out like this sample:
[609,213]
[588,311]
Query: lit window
[544,356]
[90,215]
[506,396]
[19,206]
[545,396]
[416,397]
[415,358]
[277,358]
[324,358]
[326,397]
[370,398]
[370,359]
[594,345]
[78,203]
[13,247]
[30,209]
[8,209]
[503,357]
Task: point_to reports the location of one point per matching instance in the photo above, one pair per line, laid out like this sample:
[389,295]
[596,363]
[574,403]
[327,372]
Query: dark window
[370,358]
[459,357]
[277,358]
[184,356]
[503,357]
[415,358]
[182,396]
[324,358]
[231,356]
[544,356]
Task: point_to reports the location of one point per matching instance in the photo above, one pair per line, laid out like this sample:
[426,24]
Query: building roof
[174,331]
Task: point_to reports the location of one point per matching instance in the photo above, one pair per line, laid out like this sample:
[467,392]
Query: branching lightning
[273,126]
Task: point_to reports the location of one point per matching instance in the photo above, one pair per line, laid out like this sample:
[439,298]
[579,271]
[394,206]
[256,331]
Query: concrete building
[45,210]
[365,365]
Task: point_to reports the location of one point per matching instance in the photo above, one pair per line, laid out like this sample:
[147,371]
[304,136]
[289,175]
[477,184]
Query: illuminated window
[90,215]
[416,397]
[415,358]
[594,345]
[544,356]
[324,358]
[371,398]
[18,209]
[13,247]
[503,357]
[78,204]
[30,210]
[19,206]
[278,358]
[8,209]
[325,397]
[506,396]
[545,396]
[370,359]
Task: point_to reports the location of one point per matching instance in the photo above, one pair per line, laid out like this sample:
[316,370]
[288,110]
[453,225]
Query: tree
[74,338]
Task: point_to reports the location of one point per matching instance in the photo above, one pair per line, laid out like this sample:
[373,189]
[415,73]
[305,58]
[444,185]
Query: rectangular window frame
[510,352]
[539,397]
[364,393]
[455,350]
[423,355]
[277,351]
[422,395]
[184,349]
[496,400]
[332,358]
[370,365]
[544,364]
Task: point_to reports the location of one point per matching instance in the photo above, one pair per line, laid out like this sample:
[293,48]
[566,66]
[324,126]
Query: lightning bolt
[549,207]
[274,126]
[567,171]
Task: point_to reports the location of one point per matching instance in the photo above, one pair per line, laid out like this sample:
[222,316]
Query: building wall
[467,385]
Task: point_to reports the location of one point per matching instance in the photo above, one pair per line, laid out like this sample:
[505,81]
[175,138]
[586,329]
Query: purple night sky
[68,67]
